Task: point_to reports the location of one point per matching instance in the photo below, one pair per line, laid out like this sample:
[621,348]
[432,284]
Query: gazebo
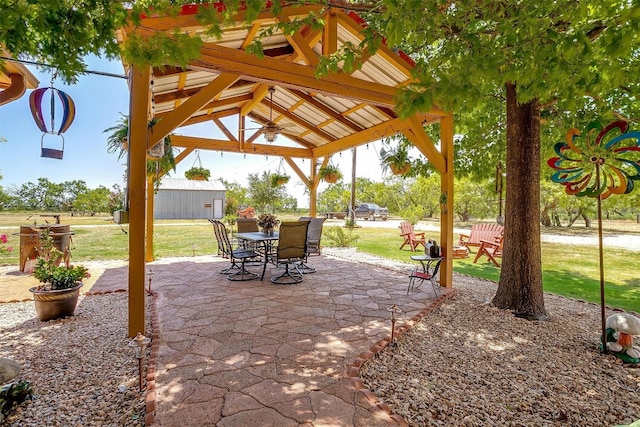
[281,91]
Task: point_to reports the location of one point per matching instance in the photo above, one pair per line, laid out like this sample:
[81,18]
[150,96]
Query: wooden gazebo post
[137,186]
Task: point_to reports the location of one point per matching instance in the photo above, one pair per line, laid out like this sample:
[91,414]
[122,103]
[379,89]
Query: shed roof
[190,185]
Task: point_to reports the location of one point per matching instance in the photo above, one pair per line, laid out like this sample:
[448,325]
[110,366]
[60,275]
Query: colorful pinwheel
[607,164]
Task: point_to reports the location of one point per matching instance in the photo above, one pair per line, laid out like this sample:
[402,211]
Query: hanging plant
[196,173]
[330,174]
[279,179]
[118,142]
[396,159]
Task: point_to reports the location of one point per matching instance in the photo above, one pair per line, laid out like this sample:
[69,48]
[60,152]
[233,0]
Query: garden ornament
[597,163]
[621,327]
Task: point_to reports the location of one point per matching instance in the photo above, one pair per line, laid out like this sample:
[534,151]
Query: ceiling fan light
[270,135]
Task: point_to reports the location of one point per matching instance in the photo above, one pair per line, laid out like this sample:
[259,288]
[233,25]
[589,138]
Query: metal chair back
[314,234]
[225,249]
[247,225]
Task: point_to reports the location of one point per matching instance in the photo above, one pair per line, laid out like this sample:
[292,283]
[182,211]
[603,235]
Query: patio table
[264,244]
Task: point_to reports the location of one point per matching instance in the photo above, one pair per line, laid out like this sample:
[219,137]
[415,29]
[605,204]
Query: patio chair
[234,272]
[419,276]
[411,238]
[247,225]
[291,250]
[314,233]
[492,249]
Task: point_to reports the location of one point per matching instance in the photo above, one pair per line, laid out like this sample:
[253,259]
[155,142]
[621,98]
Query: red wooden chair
[411,238]
[492,249]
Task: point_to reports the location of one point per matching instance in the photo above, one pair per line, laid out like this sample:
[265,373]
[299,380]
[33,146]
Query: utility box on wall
[186,199]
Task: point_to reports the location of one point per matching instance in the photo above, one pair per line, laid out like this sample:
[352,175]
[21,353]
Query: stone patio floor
[258,354]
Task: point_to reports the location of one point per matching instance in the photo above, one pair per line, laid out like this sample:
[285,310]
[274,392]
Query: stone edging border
[353,370]
[150,399]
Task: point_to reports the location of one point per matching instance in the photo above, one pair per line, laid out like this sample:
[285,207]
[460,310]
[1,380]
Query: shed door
[218,208]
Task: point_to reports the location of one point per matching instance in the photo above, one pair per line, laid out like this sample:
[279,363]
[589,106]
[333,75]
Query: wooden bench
[480,232]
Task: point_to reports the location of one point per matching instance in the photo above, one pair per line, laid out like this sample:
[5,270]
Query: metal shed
[186,199]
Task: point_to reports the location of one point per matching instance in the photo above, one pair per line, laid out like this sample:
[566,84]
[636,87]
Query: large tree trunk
[520,285]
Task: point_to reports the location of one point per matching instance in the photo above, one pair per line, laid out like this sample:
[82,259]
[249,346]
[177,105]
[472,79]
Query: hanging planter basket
[330,174]
[331,178]
[402,169]
[197,173]
[279,180]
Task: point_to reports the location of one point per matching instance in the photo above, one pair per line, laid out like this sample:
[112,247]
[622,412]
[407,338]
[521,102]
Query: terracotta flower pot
[331,178]
[55,304]
[400,169]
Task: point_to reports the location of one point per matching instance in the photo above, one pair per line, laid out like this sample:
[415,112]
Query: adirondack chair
[480,232]
[492,249]
[411,238]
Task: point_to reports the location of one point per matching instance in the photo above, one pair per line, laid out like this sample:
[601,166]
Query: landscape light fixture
[139,344]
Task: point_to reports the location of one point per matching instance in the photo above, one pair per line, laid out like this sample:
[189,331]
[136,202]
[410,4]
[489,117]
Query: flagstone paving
[256,354]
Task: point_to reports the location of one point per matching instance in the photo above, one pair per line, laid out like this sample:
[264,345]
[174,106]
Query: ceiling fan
[270,130]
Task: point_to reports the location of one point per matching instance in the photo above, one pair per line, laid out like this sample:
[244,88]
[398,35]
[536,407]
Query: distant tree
[235,196]
[263,196]
[423,193]
[93,201]
[472,199]
[335,198]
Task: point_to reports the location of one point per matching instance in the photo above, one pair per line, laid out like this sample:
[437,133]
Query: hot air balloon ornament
[55,125]
[599,162]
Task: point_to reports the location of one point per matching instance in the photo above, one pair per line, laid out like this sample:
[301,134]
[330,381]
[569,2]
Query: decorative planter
[157,151]
[400,169]
[55,304]
[331,178]
[198,178]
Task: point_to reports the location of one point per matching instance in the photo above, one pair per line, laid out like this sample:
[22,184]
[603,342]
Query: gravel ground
[81,370]
[470,364]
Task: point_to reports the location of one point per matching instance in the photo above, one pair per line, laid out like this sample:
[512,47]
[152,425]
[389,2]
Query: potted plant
[267,222]
[278,179]
[396,158]
[58,293]
[330,174]
[197,173]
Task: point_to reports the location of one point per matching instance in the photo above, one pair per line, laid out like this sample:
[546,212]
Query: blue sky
[99,101]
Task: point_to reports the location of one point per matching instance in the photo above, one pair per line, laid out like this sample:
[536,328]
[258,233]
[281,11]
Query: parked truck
[367,211]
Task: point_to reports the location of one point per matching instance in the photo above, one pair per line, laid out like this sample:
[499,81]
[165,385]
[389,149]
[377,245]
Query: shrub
[339,237]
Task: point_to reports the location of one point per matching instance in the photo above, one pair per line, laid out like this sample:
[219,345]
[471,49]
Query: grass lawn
[569,270]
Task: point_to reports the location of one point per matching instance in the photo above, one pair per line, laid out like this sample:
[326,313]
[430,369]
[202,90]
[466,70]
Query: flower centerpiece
[57,295]
[3,242]
[267,222]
